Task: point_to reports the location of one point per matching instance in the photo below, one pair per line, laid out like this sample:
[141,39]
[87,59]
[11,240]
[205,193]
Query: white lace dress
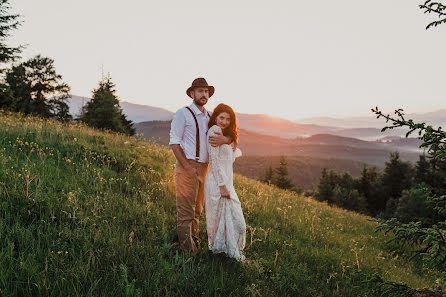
[225,223]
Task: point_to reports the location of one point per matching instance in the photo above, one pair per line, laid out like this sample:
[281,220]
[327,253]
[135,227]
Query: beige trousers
[189,202]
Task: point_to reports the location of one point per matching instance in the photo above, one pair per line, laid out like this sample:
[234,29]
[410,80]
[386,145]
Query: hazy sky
[291,59]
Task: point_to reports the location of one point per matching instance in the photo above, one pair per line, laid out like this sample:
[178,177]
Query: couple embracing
[205,146]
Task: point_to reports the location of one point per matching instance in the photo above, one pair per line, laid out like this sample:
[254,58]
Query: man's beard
[197,101]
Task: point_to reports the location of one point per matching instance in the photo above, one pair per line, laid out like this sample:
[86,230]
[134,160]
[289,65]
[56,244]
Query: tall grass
[92,213]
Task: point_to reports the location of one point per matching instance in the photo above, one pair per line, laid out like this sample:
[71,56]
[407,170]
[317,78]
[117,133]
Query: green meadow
[85,212]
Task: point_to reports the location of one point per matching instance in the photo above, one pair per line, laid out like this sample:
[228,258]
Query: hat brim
[210,88]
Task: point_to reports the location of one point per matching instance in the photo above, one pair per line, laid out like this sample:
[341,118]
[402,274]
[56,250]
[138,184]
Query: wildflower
[68,160]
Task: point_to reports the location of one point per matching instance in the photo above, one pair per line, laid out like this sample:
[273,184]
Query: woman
[225,223]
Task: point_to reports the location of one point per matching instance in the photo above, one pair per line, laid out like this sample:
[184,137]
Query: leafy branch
[436,8]
[430,240]
[433,139]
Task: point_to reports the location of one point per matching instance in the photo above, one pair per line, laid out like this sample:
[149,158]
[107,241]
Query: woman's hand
[224,192]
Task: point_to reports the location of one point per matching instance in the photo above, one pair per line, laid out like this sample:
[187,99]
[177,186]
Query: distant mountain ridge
[320,145]
[435,118]
[134,112]
[366,129]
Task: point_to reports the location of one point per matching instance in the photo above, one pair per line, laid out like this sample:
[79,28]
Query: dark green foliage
[268,176]
[8,23]
[37,89]
[278,176]
[104,112]
[422,171]
[349,198]
[397,176]
[281,179]
[430,233]
[326,186]
[414,205]
[340,189]
[369,186]
[436,8]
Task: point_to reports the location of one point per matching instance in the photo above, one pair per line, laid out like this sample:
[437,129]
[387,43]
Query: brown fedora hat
[200,83]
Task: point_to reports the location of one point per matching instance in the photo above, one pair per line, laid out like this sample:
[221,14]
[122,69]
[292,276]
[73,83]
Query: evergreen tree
[267,176]
[430,234]
[369,186]
[282,180]
[422,170]
[349,198]
[38,89]
[396,178]
[413,205]
[103,111]
[8,23]
[325,188]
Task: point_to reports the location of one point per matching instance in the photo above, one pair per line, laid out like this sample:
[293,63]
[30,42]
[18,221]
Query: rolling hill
[92,213]
[319,146]
[260,123]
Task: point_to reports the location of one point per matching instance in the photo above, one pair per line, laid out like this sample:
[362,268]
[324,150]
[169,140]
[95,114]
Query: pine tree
[369,186]
[104,112]
[325,188]
[38,89]
[8,23]
[267,176]
[282,180]
[397,177]
[422,170]
[413,233]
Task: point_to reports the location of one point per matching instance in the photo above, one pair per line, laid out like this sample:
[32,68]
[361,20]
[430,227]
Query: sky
[290,59]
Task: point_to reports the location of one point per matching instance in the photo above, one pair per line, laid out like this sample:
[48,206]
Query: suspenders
[197,150]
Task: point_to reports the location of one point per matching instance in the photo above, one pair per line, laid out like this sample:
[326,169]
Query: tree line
[33,87]
[396,191]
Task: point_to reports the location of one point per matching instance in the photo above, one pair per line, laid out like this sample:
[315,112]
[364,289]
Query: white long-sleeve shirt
[183,132]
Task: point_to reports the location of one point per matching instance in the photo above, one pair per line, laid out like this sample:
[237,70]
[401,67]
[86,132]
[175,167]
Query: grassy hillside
[90,213]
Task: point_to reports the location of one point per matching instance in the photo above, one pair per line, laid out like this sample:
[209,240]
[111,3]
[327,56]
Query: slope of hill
[91,213]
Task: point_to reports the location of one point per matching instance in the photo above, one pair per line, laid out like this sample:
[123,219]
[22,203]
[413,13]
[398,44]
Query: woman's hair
[232,129]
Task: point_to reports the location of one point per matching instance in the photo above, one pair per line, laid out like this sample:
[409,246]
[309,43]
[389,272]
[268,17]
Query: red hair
[232,129]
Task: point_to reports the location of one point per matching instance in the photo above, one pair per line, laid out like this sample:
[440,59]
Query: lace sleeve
[216,169]
[237,153]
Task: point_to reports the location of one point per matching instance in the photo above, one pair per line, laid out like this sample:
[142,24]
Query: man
[189,144]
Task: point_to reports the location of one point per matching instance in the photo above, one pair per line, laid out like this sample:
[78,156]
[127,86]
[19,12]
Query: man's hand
[191,170]
[224,192]
[219,139]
